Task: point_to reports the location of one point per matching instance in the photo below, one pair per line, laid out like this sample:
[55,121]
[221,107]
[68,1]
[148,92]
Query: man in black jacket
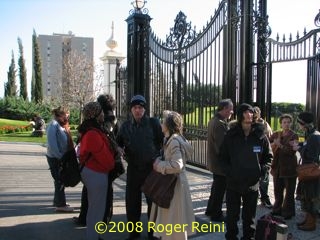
[141,138]
[245,154]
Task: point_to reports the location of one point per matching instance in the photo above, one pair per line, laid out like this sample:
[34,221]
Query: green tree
[22,72]
[38,94]
[11,86]
[32,88]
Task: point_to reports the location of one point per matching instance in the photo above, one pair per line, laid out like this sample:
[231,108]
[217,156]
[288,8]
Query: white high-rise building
[53,51]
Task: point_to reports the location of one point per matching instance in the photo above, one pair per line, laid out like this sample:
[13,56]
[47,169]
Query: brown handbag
[160,188]
[308,171]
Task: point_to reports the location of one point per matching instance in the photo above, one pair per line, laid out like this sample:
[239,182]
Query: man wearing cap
[141,138]
[244,153]
[310,153]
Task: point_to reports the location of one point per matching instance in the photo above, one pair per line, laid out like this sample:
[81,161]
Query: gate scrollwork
[181,34]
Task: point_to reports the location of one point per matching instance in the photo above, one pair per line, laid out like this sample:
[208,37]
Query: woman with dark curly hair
[176,151]
[310,153]
[97,157]
[110,124]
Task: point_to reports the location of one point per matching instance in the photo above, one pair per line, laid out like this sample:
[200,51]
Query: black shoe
[220,218]
[78,222]
[267,203]
[276,213]
[207,213]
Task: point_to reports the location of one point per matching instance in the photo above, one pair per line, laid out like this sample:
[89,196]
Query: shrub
[20,109]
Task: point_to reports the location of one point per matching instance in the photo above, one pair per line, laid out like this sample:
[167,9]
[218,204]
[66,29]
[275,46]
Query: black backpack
[69,169]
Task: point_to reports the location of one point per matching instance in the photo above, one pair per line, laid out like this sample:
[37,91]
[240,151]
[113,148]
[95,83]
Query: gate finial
[138,7]
[317,19]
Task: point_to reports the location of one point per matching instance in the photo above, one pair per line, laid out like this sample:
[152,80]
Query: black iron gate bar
[190,72]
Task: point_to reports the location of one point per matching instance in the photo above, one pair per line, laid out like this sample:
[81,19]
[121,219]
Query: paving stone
[26,193]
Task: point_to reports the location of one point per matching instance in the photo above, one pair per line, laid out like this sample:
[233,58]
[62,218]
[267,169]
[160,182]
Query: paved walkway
[26,192]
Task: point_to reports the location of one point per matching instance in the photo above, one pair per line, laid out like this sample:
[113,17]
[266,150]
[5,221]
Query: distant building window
[84,47]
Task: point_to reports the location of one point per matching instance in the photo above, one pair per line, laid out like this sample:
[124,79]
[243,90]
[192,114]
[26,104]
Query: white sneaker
[64,209]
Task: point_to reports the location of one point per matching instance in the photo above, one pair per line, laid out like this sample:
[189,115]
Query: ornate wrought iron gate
[191,71]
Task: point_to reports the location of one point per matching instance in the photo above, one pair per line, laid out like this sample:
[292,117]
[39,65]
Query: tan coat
[176,151]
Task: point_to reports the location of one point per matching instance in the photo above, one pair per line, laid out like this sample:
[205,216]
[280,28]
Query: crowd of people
[241,155]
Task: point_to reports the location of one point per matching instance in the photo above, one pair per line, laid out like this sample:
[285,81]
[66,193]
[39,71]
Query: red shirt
[96,145]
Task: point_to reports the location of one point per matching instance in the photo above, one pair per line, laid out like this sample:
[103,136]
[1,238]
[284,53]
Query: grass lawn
[22,137]
[9,122]
[18,136]
[26,137]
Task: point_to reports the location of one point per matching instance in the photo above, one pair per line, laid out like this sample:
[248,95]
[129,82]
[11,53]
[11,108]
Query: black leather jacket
[141,141]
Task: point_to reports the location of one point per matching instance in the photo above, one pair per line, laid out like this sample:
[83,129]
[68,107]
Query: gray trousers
[97,185]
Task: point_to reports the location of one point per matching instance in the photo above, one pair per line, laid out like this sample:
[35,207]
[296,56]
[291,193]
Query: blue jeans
[97,185]
[59,199]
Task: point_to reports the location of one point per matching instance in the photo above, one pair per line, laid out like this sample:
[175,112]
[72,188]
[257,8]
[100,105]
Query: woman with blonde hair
[175,152]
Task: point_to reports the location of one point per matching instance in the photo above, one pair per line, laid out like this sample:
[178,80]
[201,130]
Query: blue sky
[93,18]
